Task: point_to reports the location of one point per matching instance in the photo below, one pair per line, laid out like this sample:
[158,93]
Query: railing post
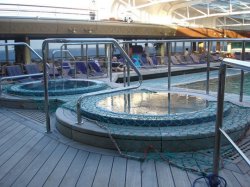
[87,60]
[46,94]
[219,118]
[108,58]
[208,66]
[169,64]
[242,72]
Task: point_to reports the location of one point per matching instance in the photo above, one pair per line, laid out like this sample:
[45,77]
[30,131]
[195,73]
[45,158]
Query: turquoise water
[232,85]
[186,79]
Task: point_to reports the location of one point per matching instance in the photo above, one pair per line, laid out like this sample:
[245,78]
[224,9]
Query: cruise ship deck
[31,157]
[168,118]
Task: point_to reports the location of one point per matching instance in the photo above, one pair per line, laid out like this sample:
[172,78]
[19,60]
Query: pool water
[57,87]
[232,85]
[152,103]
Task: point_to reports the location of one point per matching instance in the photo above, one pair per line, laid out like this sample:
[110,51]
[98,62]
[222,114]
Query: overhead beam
[217,15]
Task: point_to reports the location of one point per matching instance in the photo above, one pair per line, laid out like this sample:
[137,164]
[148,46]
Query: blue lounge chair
[15,71]
[33,69]
[81,67]
[95,66]
[68,69]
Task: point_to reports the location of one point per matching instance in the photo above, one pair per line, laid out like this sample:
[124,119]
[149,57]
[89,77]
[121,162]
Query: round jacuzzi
[57,87]
[139,119]
[149,108]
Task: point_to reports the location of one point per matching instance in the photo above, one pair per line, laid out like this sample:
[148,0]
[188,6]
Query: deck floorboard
[19,168]
[44,172]
[118,174]
[88,173]
[74,171]
[30,157]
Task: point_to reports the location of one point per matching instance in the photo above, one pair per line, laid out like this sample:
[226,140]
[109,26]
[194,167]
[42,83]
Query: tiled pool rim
[90,109]
[18,89]
[180,138]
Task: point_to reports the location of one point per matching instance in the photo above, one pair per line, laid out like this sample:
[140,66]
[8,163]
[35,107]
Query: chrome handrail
[208,40]
[82,41]
[243,65]
[53,60]
[19,76]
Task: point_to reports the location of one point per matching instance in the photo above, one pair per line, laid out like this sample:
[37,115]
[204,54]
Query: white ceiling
[230,14]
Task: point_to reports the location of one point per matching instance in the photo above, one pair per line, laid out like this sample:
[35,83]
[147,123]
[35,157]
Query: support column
[194,47]
[162,53]
[6,53]
[22,53]
[218,46]
[201,47]
[229,47]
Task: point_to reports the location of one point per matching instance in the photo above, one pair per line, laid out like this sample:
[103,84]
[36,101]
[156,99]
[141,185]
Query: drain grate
[35,115]
[232,154]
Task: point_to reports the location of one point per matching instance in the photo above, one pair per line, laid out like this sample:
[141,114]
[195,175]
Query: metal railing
[43,11]
[208,41]
[61,62]
[83,41]
[19,76]
[244,66]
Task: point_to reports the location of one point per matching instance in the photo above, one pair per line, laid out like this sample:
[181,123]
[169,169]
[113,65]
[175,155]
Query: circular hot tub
[139,119]
[149,108]
[57,87]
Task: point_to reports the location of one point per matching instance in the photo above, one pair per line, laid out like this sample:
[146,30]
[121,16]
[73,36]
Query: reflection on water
[232,85]
[58,85]
[153,103]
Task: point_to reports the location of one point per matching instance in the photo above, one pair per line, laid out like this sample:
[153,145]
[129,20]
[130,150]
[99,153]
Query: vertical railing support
[219,118]
[242,72]
[46,93]
[208,66]
[169,64]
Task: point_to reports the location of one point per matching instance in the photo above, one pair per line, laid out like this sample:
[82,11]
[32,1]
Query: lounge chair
[67,69]
[81,67]
[175,61]
[195,58]
[95,66]
[181,59]
[15,71]
[52,71]
[33,69]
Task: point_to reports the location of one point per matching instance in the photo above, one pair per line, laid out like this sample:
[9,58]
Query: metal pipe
[45,78]
[87,59]
[124,76]
[16,77]
[53,60]
[219,118]
[169,64]
[235,146]
[208,66]
[22,43]
[242,72]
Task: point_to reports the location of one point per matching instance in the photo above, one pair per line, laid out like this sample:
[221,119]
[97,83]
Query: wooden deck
[31,157]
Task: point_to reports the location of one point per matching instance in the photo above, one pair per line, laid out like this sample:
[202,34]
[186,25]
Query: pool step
[180,138]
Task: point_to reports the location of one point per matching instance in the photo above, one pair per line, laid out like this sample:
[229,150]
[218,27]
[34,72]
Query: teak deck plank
[133,175]
[118,173]
[164,175]
[33,168]
[88,173]
[44,172]
[61,168]
[149,178]
[18,169]
[74,171]
[103,172]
